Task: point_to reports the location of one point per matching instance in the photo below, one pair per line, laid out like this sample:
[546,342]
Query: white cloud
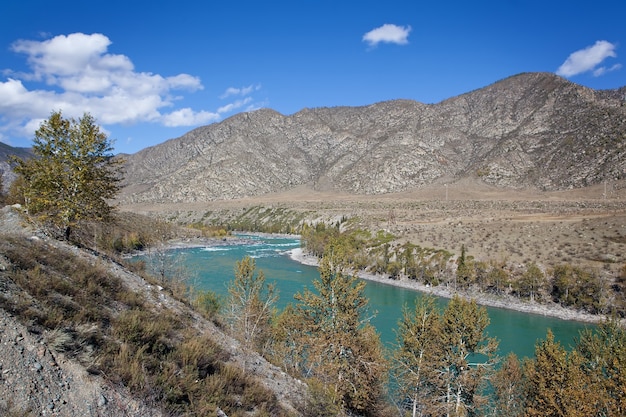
[68,55]
[233,106]
[589,59]
[388,33]
[187,117]
[603,70]
[243,91]
[75,74]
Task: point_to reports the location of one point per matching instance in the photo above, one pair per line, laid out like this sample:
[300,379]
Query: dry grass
[90,315]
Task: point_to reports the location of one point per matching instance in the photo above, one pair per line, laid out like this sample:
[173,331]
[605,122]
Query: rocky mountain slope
[533,130]
[6,171]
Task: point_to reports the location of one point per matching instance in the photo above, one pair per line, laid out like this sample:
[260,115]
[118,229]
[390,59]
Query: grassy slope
[94,311]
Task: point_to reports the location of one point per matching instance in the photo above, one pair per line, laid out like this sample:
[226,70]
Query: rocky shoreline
[506,302]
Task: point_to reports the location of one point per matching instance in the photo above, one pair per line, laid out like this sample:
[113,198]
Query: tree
[465,272]
[557,384]
[469,357]
[573,286]
[604,354]
[532,283]
[251,304]
[72,174]
[418,350]
[444,360]
[497,277]
[509,391]
[336,343]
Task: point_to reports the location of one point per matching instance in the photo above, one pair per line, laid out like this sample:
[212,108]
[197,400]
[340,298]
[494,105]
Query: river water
[212,268]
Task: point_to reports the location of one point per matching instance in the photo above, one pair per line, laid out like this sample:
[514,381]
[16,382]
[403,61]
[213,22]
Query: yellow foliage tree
[72,175]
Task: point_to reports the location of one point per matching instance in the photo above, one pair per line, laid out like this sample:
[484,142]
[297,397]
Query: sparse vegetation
[565,284]
[93,317]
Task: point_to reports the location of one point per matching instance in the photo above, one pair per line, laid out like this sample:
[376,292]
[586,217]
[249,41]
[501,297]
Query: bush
[207,302]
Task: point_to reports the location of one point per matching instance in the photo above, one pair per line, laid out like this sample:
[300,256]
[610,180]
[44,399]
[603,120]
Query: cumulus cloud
[75,73]
[388,33]
[589,59]
[187,117]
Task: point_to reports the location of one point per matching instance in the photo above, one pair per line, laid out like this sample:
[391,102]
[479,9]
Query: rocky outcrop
[530,130]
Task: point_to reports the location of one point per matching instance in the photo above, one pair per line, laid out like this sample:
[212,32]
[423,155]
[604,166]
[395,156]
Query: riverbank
[505,302]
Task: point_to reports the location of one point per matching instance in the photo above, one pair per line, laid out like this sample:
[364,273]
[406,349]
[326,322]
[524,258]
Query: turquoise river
[212,268]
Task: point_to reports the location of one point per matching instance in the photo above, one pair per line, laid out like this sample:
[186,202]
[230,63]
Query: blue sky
[149,71]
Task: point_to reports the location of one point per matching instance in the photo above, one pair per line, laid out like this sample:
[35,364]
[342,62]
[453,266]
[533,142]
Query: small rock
[102,401]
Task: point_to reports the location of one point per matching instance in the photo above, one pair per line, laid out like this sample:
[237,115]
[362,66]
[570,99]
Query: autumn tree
[532,283]
[509,391]
[336,344]
[469,356]
[497,278]
[413,366]
[604,355]
[72,174]
[465,271]
[250,304]
[557,384]
[444,360]
[574,286]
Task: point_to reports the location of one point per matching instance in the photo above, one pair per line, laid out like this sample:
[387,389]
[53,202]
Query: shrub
[207,302]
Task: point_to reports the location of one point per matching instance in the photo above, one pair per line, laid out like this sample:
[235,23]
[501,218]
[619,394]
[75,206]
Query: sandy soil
[582,226]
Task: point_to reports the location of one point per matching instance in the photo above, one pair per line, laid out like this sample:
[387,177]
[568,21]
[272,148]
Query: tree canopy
[72,175]
[444,360]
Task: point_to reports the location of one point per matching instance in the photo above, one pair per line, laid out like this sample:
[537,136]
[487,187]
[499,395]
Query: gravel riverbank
[507,302]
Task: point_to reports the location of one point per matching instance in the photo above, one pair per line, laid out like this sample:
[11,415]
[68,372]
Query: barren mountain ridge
[532,130]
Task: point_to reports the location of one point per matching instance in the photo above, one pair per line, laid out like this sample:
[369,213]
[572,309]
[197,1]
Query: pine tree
[509,391]
[557,384]
[604,355]
[72,174]
[465,272]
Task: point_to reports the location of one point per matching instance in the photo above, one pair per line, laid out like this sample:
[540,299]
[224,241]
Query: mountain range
[531,130]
